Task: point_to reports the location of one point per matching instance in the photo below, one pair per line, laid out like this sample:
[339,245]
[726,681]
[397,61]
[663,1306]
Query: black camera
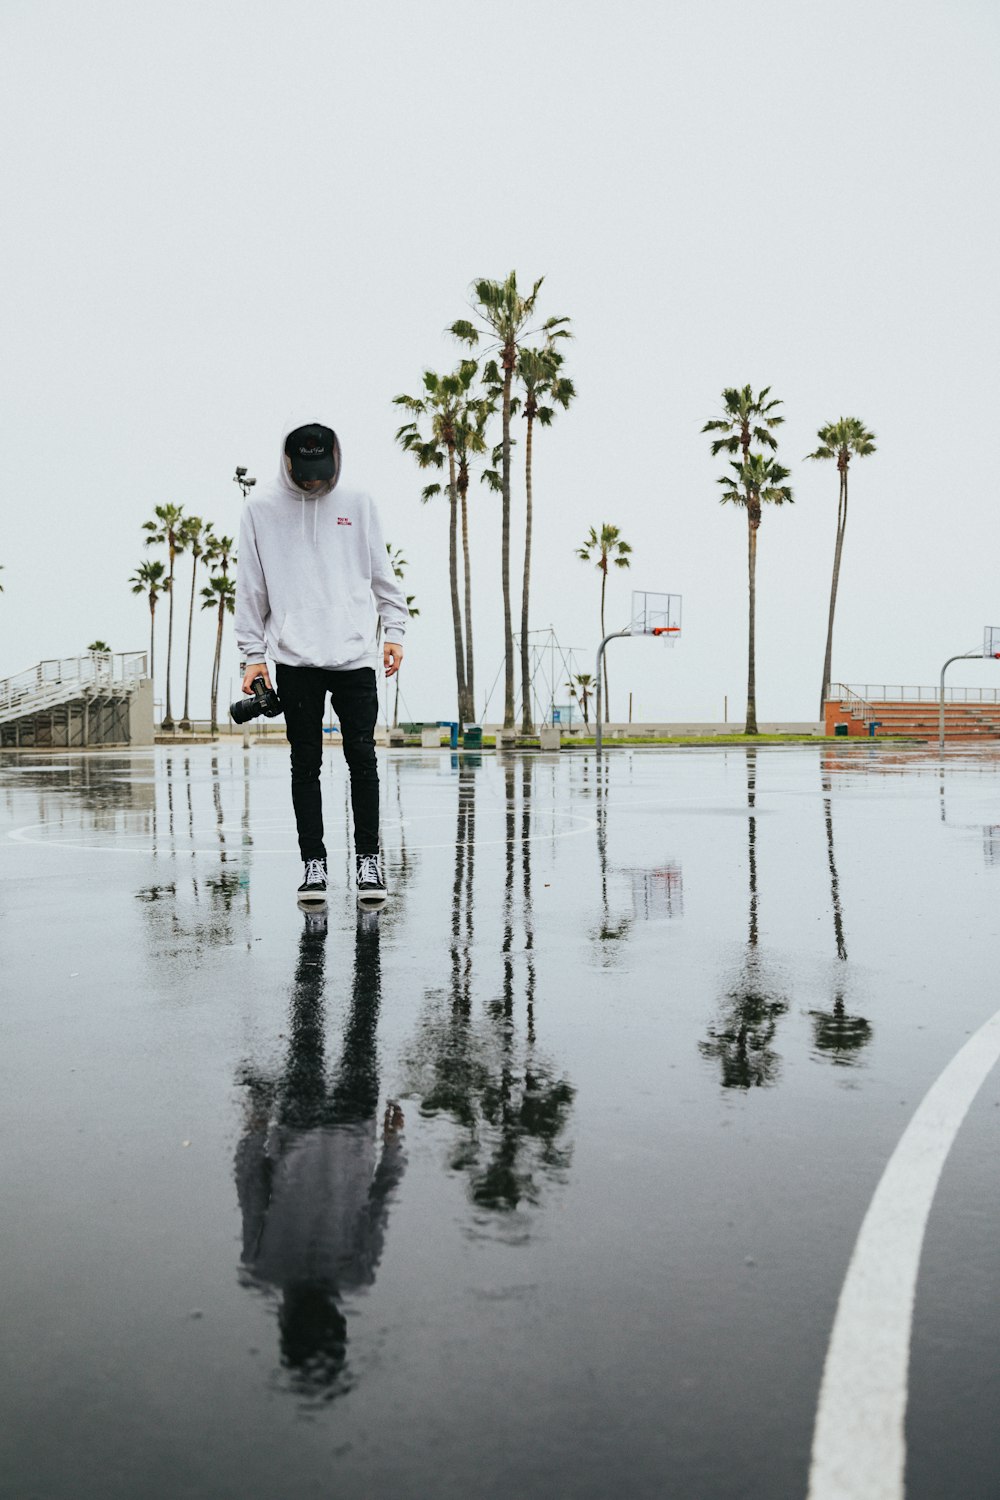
[263,700]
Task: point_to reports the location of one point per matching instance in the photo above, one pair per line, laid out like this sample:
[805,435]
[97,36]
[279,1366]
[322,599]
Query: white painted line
[178,847]
[859,1442]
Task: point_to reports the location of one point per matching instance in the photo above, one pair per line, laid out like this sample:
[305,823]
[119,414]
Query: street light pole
[246,483]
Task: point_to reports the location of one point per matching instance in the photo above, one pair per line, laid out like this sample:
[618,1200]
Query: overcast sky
[219,216]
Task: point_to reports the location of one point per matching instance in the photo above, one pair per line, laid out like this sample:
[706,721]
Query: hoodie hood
[288,483]
[289,487]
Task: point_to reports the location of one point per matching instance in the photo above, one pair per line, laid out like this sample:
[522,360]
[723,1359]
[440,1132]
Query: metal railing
[883,692]
[854,701]
[61,679]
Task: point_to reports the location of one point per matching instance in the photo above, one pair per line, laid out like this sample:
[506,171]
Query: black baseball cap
[312,450]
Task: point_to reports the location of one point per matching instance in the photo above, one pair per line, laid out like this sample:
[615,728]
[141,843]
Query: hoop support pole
[600,659]
[962,656]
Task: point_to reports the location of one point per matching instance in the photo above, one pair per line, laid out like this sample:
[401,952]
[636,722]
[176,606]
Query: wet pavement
[542,1182]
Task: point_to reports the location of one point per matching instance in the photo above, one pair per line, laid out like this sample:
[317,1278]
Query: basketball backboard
[656,614]
[991,641]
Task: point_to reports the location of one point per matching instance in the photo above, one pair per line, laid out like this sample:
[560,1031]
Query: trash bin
[472,736]
[840,729]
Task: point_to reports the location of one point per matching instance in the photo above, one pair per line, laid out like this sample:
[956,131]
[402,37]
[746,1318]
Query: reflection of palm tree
[313,1187]
[835,1033]
[611,930]
[742,1039]
[511,1107]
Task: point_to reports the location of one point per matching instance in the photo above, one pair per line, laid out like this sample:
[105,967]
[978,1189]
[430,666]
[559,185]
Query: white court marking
[859,1441]
[177,846]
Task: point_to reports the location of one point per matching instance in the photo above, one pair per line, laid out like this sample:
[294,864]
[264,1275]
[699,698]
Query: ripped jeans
[303,691]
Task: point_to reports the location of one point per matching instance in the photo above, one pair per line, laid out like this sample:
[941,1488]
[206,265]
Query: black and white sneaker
[371,883]
[312,891]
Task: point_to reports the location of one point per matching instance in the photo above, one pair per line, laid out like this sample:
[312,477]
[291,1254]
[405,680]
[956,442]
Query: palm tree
[608,546]
[538,373]
[581,688]
[755,482]
[470,440]
[221,593]
[839,441]
[748,418]
[196,533]
[503,315]
[148,579]
[100,646]
[399,566]
[165,531]
[442,406]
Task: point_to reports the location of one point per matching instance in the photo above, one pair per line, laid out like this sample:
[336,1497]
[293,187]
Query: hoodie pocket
[327,636]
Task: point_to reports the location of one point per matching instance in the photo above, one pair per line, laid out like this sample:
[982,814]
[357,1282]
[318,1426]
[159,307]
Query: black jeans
[303,691]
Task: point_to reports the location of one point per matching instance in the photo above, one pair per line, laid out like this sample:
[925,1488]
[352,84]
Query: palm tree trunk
[527,726]
[604,659]
[168,718]
[186,718]
[469,678]
[751,723]
[456,611]
[508,634]
[838,550]
[152,641]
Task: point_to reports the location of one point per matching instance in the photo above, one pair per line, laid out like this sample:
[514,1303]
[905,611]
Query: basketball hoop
[659,615]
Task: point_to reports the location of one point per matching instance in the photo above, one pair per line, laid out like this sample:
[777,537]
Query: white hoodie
[308,566]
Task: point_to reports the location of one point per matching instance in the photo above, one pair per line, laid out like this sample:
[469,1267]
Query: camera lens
[243,710]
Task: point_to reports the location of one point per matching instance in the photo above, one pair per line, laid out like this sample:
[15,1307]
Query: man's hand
[255,669]
[392,657]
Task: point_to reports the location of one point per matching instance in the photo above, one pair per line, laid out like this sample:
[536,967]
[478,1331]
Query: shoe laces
[368,870]
[315,873]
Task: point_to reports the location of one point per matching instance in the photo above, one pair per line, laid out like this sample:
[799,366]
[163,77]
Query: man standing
[311,556]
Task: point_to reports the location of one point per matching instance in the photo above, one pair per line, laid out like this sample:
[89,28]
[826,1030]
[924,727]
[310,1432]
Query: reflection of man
[310,565]
[313,1177]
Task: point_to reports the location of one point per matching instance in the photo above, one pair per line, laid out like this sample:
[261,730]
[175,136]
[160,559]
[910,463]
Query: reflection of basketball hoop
[658,893]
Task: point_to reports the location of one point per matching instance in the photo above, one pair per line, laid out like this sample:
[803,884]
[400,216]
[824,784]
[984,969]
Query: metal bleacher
[99,698]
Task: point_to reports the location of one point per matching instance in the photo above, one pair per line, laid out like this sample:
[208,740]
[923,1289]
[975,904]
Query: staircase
[969,713]
[100,698]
